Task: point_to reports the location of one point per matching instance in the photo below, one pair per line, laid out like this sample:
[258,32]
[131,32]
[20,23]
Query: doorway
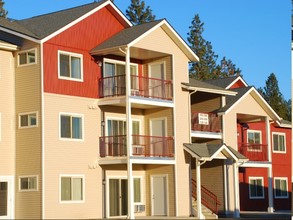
[159,195]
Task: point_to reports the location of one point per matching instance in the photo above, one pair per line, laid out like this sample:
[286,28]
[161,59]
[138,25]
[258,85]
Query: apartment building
[101,120]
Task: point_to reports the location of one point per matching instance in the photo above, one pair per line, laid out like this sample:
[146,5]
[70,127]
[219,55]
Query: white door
[6,198]
[159,195]
[157,74]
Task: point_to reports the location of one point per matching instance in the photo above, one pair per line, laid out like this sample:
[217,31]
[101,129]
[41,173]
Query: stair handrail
[208,198]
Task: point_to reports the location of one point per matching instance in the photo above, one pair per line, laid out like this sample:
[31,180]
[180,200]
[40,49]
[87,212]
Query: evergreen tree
[275,99]
[138,13]
[3,12]
[207,67]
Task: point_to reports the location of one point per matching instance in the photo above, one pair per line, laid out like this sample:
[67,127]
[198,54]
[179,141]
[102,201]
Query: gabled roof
[40,27]
[208,152]
[242,93]
[129,36]
[197,85]
[226,82]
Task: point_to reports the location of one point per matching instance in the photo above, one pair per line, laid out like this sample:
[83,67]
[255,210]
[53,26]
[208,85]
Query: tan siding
[7,112]
[28,140]
[205,102]
[64,157]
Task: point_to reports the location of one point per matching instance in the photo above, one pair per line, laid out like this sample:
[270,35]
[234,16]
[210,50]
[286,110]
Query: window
[28,183]
[254,140]
[279,142]
[70,66]
[71,126]
[137,189]
[72,188]
[27,120]
[281,189]
[203,119]
[27,57]
[256,190]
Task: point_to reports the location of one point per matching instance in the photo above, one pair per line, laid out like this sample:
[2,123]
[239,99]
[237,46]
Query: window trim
[27,63]
[279,134]
[262,185]
[71,54]
[281,197]
[163,62]
[141,191]
[260,139]
[82,177]
[107,118]
[28,126]
[71,115]
[28,190]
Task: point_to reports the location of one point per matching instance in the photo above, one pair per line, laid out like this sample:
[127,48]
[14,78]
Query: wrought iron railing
[208,198]
[146,146]
[254,152]
[140,86]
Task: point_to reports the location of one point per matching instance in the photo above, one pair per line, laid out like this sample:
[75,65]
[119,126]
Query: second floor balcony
[254,152]
[140,86]
[142,146]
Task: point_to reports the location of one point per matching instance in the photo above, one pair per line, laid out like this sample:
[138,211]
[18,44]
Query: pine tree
[3,12]
[138,13]
[275,99]
[205,68]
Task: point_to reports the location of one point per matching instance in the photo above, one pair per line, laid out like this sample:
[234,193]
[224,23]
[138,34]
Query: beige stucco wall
[69,157]
[7,112]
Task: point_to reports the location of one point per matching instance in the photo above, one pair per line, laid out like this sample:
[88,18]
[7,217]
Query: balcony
[142,146]
[206,125]
[254,152]
[140,86]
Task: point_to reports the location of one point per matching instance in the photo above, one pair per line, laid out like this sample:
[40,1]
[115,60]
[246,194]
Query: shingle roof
[42,26]
[221,82]
[202,84]
[126,36]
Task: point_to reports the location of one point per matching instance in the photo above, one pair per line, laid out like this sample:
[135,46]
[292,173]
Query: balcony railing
[140,86]
[145,146]
[208,122]
[254,152]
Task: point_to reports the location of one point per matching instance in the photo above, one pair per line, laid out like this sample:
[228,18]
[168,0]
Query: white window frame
[203,118]
[157,63]
[80,56]
[72,176]
[27,61]
[121,119]
[141,190]
[28,177]
[260,139]
[82,126]
[281,179]
[29,121]
[262,184]
[279,134]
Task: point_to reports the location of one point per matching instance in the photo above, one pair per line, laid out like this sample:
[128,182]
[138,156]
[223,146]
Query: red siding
[237,84]
[80,38]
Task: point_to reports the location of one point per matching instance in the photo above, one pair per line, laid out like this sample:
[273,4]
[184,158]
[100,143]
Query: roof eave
[208,90]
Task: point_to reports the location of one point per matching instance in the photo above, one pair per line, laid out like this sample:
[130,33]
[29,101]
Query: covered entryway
[205,153]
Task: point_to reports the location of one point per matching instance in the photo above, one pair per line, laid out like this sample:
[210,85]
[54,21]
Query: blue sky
[254,34]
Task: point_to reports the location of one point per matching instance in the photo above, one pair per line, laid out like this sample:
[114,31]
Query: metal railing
[146,146]
[140,86]
[208,198]
[254,152]
[209,122]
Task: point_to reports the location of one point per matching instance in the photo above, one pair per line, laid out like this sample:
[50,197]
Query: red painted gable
[237,84]
[80,38]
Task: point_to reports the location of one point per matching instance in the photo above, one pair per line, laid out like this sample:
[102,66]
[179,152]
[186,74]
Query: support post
[198,190]
[236,190]
[270,170]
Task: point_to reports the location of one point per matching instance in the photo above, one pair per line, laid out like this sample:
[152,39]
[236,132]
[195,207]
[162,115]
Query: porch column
[128,137]
[270,170]
[236,190]
[198,190]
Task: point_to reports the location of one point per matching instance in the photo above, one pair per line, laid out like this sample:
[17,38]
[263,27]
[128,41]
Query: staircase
[209,202]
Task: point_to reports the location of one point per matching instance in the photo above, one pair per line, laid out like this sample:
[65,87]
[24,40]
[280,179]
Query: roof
[197,85]
[126,36]
[208,152]
[222,82]
[42,26]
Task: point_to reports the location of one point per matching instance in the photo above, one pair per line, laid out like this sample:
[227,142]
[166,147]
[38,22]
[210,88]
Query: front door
[118,203]
[159,195]
[6,210]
